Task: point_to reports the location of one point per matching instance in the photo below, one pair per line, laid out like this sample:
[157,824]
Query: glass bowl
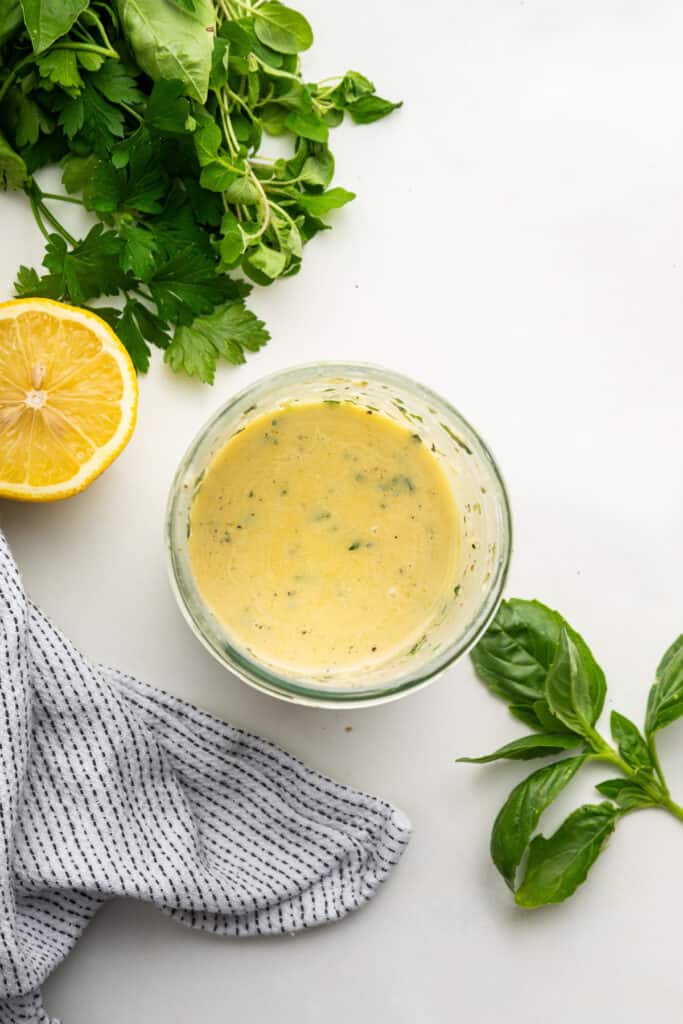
[480,498]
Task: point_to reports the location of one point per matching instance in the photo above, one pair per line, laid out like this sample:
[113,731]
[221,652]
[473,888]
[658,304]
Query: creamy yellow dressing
[324,536]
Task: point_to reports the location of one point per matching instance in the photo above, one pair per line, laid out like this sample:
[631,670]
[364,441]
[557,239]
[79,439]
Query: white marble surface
[517,244]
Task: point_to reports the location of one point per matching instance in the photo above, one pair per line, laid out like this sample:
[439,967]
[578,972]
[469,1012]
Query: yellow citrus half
[68,399]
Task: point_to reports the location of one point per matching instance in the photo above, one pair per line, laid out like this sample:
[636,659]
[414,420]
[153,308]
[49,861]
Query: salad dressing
[324,536]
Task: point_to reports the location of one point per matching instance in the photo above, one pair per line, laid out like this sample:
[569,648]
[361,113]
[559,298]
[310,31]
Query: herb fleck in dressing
[324,538]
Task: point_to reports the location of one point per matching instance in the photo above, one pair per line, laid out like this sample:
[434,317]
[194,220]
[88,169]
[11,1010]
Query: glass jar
[480,499]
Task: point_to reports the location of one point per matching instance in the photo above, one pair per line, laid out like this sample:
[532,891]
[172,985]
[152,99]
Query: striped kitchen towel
[111,788]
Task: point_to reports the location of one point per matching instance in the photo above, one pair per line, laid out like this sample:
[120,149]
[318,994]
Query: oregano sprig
[533,660]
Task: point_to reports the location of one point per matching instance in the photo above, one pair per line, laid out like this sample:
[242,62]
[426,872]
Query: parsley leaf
[186,286]
[138,185]
[167,110]
[61,68]
[226,333]
[29,283]
[140,250]
[88,269]
[12,167]
[31,120]
[116,84]
[130,334]
[137,327]
[96,122]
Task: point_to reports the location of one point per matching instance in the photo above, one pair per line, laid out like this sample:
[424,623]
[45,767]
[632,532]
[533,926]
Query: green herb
[418,644]
[156,110]
[354,547]
[458,440]
[533,660]
[399,484]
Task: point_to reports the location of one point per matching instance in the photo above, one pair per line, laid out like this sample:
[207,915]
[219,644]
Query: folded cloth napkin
[111,788]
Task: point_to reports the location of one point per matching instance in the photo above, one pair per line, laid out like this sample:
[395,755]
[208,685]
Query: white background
[517,244]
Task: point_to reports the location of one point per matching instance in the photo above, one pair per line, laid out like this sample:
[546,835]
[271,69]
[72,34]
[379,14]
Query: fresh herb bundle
[156,110]
[533,660]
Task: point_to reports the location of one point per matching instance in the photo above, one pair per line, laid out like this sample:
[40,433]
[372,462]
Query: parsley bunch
[532,659]
[156,111]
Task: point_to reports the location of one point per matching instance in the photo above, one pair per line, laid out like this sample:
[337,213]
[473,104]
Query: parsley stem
[14,72]
[129,110]
[36,214]
[101,29]
[62,199]
[102,51]
[51,219]
[82,33]
[78,47]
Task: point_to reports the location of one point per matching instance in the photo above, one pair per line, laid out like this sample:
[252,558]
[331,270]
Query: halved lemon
[68,399]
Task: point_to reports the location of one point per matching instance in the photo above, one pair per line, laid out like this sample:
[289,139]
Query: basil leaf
[48,20]
[282,29]
[167,111]
[549,721]
[575,686]
[12,167]
[526,713]
[514,656]
[538,716]
[557,866]
[528,747]
[632,746]
[629,795]
[169,42]
[665,701]
[78,171]
[521,811]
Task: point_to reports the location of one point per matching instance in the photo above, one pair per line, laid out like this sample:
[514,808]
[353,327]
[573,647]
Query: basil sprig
[545,672]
